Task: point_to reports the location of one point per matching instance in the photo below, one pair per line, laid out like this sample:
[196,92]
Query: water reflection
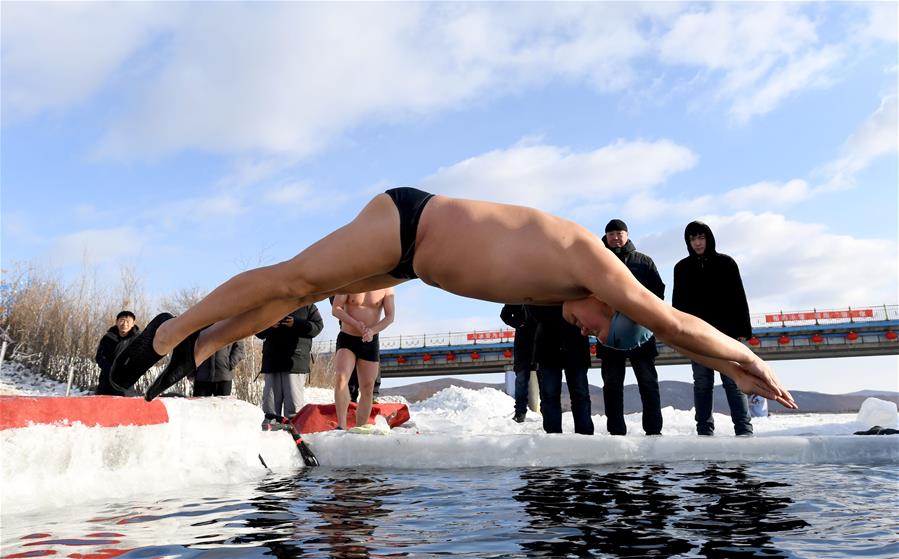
[351,514]
[651,511]
[734,514]
[302,516]
[683,510]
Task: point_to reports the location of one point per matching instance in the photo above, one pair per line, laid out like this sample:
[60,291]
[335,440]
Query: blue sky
[189,141]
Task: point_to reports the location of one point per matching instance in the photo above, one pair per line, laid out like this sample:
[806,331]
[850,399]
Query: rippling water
[680,510]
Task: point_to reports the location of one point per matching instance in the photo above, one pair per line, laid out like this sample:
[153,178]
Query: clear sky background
[189,141]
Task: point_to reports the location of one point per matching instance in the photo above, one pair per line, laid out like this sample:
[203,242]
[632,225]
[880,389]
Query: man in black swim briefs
[357,347]
[410,202]
[369,351]
[482,250]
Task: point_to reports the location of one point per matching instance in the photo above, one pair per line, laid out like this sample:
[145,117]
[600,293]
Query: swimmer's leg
[368,372]
[368,246]
[344,362]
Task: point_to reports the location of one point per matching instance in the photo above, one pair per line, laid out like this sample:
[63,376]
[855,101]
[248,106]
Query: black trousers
[613,392]
[218,388]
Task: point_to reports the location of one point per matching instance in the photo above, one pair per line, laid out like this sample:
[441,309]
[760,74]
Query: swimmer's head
[610,327]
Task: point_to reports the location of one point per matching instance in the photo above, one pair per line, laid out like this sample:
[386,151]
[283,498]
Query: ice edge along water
[219,441]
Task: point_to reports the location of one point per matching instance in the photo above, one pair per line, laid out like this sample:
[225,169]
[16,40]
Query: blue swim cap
[624,333]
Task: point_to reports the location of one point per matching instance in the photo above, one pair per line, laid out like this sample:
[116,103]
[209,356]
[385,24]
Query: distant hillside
[676,394]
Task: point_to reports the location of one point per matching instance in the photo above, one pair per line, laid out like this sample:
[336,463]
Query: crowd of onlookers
[707,284]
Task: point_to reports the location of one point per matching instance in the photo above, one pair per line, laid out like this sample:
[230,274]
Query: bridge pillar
[533,389]
[533,393]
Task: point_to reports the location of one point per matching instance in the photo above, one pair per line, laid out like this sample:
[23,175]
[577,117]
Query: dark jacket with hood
[559,344]
[709,286]
[518,317]
[287,350]
[644,269]
[220,367]
[111,344]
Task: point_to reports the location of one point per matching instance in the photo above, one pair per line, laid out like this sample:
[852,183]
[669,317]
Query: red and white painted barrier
[92,411]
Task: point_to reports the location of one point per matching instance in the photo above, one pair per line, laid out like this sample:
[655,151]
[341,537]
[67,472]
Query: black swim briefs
[410,202]
[367,351]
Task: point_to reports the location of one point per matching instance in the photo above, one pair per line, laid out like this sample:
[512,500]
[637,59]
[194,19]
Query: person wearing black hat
[642,357]
[707,284]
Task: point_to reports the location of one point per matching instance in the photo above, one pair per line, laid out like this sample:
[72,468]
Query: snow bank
[878,412]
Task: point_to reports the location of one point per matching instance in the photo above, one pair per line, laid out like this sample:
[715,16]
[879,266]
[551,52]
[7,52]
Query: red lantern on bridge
[592,349]
[451,357]
[426,357]
[754,341]
[817,338]
[783,340]
[852,336]
[507,354]
[890,335]
[475,355]
[401,360]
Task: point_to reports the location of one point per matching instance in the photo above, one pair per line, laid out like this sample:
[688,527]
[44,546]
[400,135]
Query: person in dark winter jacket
[642,357]
[518,317]
[286,360]
[560,345]
[215,375]
[707,284]
[111,344]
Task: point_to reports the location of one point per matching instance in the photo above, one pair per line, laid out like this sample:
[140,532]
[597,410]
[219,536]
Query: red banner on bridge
[495,335]
[819,315]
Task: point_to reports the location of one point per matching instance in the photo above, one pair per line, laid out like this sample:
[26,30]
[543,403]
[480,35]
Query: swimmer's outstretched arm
[686,333]
[754,377]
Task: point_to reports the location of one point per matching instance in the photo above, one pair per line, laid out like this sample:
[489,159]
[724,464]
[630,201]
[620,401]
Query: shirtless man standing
[357,346]
[483,250]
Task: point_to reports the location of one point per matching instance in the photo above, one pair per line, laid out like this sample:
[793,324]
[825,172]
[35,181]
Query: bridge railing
[760,322]
[825,316]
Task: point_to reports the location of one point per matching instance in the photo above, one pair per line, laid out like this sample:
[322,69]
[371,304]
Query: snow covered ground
[17,380]
[218,440]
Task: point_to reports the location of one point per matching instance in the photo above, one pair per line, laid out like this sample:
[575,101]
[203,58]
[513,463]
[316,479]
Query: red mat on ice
[93,411]
[323,417]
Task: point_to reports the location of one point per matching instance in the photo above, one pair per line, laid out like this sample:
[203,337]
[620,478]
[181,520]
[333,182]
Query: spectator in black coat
[707,284]
[518,317]
[559,346]
[111,344]
[215,375]
[286,360]
[642,357]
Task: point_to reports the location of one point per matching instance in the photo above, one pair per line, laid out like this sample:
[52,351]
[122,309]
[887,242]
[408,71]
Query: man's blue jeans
[550,380]
[521,391]
[703,383]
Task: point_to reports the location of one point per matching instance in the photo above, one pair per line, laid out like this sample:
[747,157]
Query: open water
[686,509]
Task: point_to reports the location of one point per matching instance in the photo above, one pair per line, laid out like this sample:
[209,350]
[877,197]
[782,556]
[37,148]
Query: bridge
[776,336]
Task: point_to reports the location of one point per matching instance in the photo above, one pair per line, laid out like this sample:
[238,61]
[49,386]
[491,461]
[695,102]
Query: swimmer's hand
[756,377]
[367,334]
